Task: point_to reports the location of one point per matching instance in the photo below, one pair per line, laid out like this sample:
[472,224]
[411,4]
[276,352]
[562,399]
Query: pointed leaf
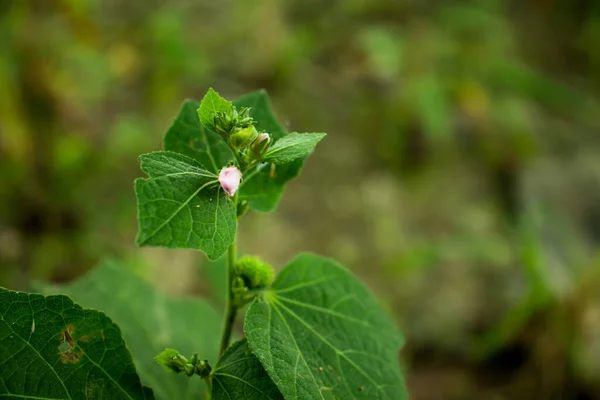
[52,348]
[151,321]
[320,334]
[291,147]
[187,136]
[181,205]
[239,375]
[209,106]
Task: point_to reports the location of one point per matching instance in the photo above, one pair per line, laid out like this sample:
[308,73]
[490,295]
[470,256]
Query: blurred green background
[460,178]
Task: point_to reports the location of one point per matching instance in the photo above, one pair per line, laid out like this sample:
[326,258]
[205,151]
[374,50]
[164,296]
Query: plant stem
[230,307]
[208,381]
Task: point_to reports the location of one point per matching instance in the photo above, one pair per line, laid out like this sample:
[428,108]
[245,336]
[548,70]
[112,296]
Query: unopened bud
[243,137]
[230,178]
[261,144]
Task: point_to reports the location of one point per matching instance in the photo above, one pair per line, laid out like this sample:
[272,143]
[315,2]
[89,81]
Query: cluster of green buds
[251,274]
[232,120]
[173,361]
[238,130]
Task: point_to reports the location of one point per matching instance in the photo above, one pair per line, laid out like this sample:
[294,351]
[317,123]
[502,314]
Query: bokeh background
[460,178]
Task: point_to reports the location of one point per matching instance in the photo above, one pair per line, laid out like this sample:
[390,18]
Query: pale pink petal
[230,178]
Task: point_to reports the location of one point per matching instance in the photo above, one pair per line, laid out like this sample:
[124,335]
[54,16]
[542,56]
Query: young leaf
[187,136]
[320,334]
[52,348]
[151,321]
[209,106]
[291,147]
[181,205]
[263,186]
[239,375]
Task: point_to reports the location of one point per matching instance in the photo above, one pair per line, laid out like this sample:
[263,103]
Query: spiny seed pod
[256,273]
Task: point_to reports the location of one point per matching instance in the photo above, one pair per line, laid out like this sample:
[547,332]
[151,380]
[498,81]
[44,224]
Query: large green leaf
[320,334]
[263,186]
[151,321]
[52,348]
[209,106]
[291,147]
[239,375]
[187,136]
[182,205]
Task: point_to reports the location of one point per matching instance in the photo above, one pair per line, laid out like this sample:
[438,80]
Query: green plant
[311,332]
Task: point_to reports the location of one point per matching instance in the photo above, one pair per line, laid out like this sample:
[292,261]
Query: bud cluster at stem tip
[238,130]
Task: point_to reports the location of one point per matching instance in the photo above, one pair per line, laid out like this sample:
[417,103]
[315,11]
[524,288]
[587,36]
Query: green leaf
[182,205]
[292,146]
[239,375]
[52,348]
[209,106]
[263,186]
[151,321]
[320,334]
[187,136]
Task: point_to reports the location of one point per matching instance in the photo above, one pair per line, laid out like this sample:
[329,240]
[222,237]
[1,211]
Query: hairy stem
[230,307]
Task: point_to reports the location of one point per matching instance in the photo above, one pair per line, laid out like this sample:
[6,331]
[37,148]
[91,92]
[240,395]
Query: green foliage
[320,332]
[239,375]
[181,205]
[151,321]
[52,348]
[316,333]
[292,147]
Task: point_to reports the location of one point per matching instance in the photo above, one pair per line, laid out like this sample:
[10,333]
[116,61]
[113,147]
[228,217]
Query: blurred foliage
[460,177]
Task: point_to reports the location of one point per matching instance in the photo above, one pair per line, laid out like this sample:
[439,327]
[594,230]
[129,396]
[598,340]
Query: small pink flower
[262,136]
[230,178]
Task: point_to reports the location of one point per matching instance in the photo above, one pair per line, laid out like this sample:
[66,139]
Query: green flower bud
[256,273]
[243,137]
[260,145]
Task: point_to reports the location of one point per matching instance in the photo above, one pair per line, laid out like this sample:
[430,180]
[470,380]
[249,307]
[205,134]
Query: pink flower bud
[262,136]
[230,178]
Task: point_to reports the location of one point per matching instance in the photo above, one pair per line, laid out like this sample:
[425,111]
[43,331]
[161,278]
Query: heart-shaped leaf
[239,375]
[320,334]
[52,348]
[151,321]
[182,205]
